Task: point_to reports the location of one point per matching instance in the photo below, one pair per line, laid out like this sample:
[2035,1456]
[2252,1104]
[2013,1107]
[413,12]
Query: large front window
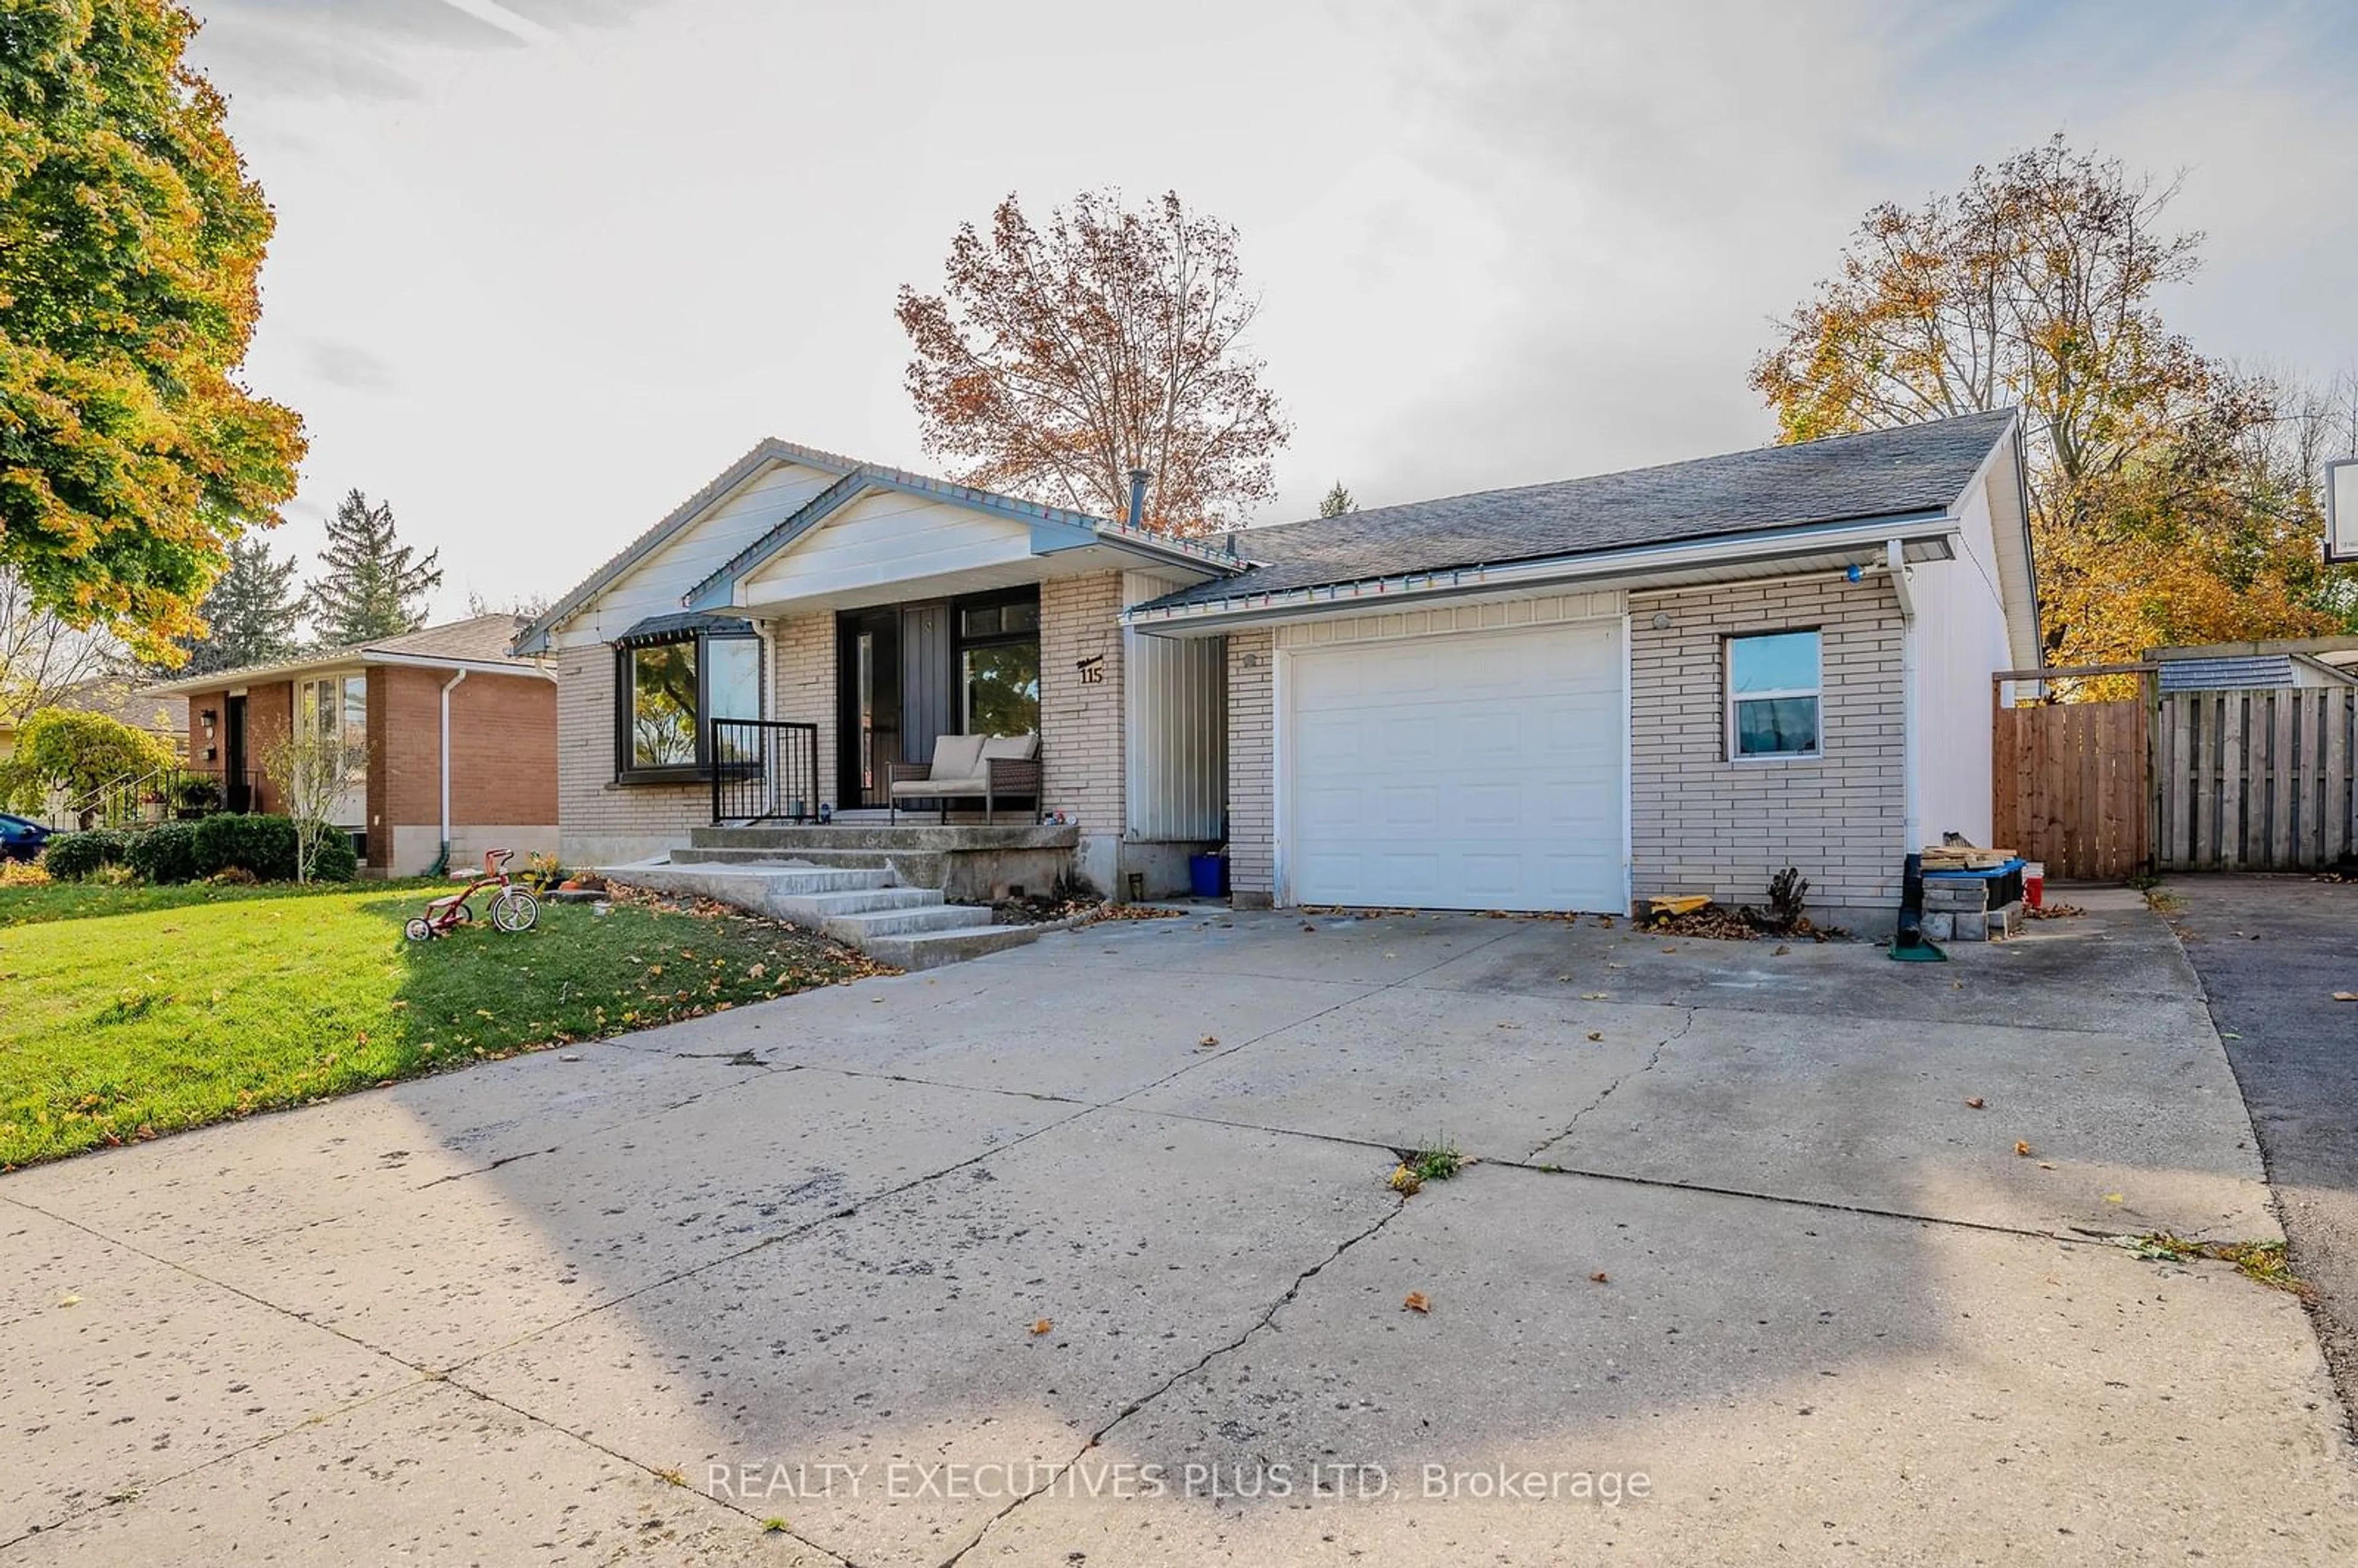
[998,667]
[669,692]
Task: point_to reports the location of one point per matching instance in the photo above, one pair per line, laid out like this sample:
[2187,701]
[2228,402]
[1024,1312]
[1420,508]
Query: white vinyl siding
[1176,715]
[654,586]
[889,537]
[1467,771]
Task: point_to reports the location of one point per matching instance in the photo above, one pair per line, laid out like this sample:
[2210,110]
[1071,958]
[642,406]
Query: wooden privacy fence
[2255,780]
[2070,787]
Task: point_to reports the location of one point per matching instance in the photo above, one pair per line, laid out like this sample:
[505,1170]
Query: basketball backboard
[2341,510]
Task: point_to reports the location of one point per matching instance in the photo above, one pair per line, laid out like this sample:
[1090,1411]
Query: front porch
[963,861]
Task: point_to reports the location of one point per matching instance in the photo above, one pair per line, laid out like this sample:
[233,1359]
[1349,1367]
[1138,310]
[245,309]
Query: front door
[869,708]
[237,790]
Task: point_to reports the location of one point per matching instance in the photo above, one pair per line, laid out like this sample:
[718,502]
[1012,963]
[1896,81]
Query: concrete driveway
[2272,953]
[1084,1253]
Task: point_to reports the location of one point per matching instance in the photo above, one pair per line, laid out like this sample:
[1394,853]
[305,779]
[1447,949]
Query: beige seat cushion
[958,756]
[926,789]
[1011,748]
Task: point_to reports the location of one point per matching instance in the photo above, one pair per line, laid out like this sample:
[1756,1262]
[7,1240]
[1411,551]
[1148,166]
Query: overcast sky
[544,266]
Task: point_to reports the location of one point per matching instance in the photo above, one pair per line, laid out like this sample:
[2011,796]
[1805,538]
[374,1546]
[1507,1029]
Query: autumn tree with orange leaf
[2164,507]
[1055,360]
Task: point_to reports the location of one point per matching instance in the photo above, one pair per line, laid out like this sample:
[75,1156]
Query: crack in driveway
[1652,1061]
[1267,1319]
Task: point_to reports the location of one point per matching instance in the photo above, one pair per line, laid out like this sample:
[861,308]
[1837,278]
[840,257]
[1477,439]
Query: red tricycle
[511,908]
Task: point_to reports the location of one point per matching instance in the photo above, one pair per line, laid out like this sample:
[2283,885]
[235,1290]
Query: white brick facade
[1252,766]
[1081,720]
[601,822]
[1700,823]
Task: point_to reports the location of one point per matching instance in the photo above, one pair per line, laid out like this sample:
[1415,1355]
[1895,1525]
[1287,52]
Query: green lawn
[127,1012]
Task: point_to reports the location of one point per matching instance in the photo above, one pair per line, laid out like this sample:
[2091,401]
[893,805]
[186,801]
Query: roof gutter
[1592,566]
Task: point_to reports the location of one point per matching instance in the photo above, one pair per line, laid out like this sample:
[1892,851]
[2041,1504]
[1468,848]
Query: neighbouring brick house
[1561,696]
[461,738]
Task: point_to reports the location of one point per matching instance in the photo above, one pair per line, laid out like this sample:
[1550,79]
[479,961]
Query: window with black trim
[668,691]
[1773,696]
[999,664]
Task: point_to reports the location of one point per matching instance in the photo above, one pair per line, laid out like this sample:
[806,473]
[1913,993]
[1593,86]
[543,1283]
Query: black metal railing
[765,770]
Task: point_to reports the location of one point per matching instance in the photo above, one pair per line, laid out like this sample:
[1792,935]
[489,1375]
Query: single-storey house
[460,731]
[1558,697]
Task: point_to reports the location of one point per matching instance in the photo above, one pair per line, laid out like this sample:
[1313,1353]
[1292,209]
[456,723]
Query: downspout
[1895,559]
[453,684]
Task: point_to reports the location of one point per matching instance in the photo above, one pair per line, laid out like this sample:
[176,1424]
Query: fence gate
[2070,787]
[2256,780]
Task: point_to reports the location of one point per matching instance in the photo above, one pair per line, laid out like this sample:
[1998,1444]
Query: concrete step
[931,949]
[863,930]
[750,886]
[738,855]
[908,835]
[819,907]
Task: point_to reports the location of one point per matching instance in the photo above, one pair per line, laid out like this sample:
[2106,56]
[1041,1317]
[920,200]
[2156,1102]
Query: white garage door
[1469,771]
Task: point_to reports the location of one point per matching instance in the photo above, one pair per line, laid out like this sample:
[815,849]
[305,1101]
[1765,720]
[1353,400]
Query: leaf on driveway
[2021,1147]
[1416,1303]
[1597,1034]
[2113,1197]
[1592,996]
[2345,996]
[1042,1327]
[1600,1277]
[1207,1042]
[1974,1102]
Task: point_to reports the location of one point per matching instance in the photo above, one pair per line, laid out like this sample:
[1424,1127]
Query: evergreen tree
[368,586]
[1339,500]
[251,615]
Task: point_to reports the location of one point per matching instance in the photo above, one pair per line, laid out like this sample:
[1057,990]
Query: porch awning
[683,623]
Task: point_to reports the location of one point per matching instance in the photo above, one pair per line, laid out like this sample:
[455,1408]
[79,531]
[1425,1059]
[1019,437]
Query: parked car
[20,839]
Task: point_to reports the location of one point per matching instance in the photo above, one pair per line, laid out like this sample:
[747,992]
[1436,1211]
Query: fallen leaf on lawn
[1600,1277]
[1597,1034]
[1976,1102]
[1416,1303]
[2021,1147]
[1042,1327]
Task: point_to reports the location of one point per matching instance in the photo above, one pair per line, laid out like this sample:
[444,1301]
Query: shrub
[163,854]
[73,856]
[334,858]
[250,842]
[196,792]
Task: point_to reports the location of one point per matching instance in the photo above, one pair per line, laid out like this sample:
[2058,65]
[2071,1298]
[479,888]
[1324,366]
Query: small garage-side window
[1773,696]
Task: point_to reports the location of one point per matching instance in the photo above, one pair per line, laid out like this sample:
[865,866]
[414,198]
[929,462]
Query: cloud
[377,49]
[349,366]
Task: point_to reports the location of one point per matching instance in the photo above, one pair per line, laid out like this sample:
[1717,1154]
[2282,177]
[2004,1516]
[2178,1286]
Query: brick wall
[603,822]
[1252,776]
[1081,725]
[599,821]
[802,684]
[1700,823]
[503,767]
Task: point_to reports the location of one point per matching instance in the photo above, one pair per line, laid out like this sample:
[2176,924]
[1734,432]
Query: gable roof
[533,638]
[1917,472]
[476,642]
[1055,527]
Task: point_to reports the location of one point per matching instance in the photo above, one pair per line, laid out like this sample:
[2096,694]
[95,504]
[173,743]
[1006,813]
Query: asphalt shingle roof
[1880,473]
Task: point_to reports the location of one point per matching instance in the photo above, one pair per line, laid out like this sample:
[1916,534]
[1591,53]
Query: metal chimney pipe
[1138,478]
